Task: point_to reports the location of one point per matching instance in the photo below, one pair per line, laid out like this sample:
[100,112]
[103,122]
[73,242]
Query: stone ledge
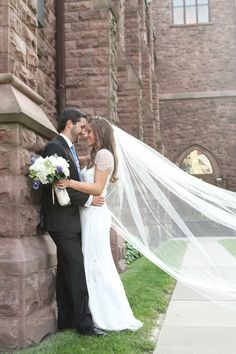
[20,104]
[8,78]
[197,95]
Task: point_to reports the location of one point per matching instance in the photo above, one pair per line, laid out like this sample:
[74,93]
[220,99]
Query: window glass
[178,3]
[178,16]
[190,2]
[202,2]
[197,163]
[203,14]
[190,13]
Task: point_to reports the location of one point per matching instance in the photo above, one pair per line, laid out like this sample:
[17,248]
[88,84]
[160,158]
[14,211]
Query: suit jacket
[57,217]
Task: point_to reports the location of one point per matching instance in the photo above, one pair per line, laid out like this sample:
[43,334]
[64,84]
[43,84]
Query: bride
[107,299]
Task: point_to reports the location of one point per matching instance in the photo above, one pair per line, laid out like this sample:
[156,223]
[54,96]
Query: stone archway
[201,163]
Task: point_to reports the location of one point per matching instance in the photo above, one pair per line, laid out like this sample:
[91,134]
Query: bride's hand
[63,183]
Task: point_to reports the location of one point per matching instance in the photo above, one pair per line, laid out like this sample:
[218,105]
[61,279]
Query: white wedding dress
[107,299]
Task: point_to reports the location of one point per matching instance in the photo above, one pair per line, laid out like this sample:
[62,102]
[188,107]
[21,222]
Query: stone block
[27,220]
[8,220]
[10,296]
[76,6]
[19,47]
[27,138]
[3,62]
[29,36]
[10,333]
[17,332]
[93,15]
[3,39]
[21,257]
[9,134]
[32,60]
[4,15]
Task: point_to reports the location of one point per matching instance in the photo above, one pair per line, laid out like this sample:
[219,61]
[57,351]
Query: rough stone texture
[23,60]
[27,261]
[194,59]
[4,36]
[107,71]
[46,52]
[28,51]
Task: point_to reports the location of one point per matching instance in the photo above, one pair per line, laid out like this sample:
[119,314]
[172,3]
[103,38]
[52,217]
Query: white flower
[49,169]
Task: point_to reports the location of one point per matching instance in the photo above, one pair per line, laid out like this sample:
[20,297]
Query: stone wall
[196,57]
[185,123]
[4,35]
[46,73]
[27,260]
[196,68]
[28,51]
[109,66]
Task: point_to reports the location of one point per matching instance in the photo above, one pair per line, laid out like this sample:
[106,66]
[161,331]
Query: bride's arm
[95,188]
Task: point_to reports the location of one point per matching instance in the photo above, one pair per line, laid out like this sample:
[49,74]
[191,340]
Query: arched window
[197,163]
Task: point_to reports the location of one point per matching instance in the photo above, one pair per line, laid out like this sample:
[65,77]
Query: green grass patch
[172,252]
[229,245]
[148,289]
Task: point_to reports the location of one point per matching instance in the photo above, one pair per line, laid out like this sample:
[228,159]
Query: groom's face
[78,129]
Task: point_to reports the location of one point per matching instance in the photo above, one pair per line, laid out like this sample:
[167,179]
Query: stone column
[27,260]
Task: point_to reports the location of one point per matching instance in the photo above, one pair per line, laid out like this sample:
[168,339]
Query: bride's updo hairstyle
[104,139]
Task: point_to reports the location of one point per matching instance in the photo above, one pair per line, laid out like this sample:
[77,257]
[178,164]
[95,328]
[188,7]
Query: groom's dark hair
[69,113]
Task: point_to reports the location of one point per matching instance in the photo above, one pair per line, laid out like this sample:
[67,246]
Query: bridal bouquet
[48,170]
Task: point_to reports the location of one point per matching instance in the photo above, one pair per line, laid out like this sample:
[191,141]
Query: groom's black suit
[63,225]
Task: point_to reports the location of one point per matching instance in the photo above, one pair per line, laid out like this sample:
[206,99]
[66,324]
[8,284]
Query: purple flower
[36,184]
[59,169]
[33,158]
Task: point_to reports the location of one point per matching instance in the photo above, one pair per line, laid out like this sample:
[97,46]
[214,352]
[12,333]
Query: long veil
[185,226]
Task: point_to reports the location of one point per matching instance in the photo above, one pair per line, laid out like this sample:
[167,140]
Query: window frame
[184,14]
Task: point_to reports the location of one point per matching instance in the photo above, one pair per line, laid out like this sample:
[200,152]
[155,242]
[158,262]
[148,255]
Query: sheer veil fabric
[185,226]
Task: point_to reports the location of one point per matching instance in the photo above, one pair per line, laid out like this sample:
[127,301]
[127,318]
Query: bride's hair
[104,139]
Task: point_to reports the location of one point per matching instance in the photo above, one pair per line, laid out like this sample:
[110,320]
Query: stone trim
[19,104]
[26,120]
[197,95]
[8,78]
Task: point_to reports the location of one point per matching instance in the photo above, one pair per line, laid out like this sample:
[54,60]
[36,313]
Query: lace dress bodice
[104,160]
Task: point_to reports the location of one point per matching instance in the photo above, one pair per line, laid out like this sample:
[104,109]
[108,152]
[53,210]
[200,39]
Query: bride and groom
[90,295]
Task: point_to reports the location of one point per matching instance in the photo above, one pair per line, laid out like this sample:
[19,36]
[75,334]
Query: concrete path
[194,325]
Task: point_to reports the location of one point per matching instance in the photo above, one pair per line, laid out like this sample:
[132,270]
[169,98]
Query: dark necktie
[72,149]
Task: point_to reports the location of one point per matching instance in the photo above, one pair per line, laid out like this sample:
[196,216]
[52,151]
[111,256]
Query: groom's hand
[97,201]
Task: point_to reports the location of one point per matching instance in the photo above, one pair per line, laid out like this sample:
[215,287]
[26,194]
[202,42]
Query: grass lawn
[172,252]
[230,245]
[148,289]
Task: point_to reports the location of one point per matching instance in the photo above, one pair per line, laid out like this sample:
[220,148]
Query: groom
[63,225]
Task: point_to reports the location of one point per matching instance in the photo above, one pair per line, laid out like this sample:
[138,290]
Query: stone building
[151,66]
[196,70]
[94,54]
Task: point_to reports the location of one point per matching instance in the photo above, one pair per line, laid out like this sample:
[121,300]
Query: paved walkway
[194,325]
